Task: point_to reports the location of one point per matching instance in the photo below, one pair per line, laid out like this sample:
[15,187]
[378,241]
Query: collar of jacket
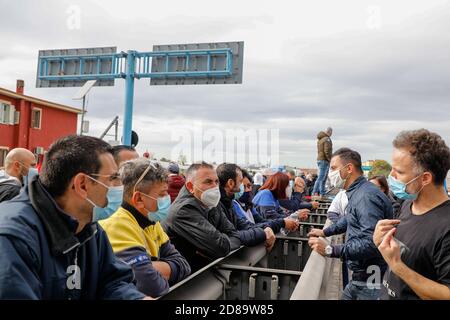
[354,186]
[225,199]
[141,220]
[59,226]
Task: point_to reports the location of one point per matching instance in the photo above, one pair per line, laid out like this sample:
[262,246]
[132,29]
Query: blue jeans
[356,290]
[319,186]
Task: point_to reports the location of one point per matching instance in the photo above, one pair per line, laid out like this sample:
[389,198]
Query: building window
[36,116]
[7,113]
[3,153]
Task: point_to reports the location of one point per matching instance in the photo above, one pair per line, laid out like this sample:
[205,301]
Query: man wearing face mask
[295,202]
[135,231]
[367,205]
[50,245]
[20,165]
[196,226]
[417,246]
[231,187]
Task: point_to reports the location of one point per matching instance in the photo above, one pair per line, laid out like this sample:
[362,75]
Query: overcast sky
[369,69]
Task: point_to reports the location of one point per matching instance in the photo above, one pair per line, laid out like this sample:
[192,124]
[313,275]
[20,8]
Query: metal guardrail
[206,283]
[289,271]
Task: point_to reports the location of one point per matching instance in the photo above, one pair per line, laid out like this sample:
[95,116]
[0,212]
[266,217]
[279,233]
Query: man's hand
[318,245]
[270,238]
[315,205]
[390,250]
[314,233]
[383,227]
[302,214]
[163,268]
[290,224]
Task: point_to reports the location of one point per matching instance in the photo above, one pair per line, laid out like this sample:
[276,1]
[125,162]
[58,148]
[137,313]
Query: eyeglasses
[150,165]
[112,177]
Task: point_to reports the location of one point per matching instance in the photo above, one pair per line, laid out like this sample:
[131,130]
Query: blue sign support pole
[129,94]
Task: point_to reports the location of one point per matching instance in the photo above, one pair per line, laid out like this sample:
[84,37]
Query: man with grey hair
[135,231]
[19,164]
[198,228]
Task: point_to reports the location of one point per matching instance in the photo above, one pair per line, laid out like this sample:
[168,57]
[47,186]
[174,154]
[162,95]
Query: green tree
[380,167]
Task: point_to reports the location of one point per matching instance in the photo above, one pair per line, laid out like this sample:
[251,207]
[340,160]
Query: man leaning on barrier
[417,245]
[195,225]
[50,245]
[366,206]
[135,231]
[231,187]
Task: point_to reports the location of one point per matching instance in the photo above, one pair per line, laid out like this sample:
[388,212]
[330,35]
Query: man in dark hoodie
[19,163]
[324,152]
[50,247]
[231,187]
[196,226]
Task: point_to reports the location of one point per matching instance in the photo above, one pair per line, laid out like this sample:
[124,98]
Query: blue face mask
[398,188]
[32,172]
[291,183]
[114,197]
[239,194]
[163,208]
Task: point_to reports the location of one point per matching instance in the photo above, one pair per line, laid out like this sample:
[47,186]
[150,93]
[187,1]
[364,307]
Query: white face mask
[211,197]
[335,178]
[288,192]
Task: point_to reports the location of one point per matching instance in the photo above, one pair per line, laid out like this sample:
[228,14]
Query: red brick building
[32,123]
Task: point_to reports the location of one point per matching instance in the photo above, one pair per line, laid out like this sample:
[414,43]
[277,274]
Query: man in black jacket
[230,178]
[196,226]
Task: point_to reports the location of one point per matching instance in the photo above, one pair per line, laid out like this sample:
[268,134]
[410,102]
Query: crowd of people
[100,222]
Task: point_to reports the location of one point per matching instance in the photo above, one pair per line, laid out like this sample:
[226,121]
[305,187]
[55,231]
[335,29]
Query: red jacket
[176,182]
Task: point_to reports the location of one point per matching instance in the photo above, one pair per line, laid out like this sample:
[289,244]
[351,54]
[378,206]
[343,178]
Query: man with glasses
[20,164]
[50,245]
[135,230]
[197,227]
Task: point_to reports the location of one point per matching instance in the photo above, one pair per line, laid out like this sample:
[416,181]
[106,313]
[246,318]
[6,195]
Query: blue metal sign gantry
[132,65]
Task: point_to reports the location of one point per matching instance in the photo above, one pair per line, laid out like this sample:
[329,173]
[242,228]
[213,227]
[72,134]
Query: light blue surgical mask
[291,183]
[114,197]
[398,188]
[163,208]
[239,194]
[32,172]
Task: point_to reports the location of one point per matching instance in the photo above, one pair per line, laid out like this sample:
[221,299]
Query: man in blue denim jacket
[367,205]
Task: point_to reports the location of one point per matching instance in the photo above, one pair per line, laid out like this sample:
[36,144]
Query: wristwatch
[328,250]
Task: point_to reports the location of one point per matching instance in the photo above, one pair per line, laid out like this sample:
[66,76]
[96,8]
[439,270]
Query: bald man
[17,166]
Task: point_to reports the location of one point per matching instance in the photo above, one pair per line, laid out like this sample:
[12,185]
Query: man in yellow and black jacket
[135,232]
